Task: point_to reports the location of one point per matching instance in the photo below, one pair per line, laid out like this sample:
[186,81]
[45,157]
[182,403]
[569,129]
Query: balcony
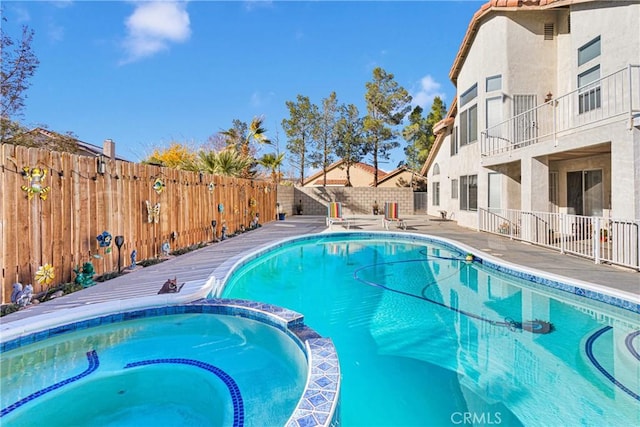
[613,97]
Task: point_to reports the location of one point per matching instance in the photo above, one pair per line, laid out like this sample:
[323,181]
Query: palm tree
[226,162]
[240,138]
[273,162]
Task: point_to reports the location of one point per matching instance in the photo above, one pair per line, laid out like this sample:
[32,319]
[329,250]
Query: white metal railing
[613,96]
[605,240]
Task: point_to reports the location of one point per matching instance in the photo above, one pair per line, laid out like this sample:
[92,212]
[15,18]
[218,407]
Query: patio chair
[391,215]
[334,215]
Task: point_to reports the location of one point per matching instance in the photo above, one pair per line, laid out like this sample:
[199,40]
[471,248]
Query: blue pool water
[425,338]
[170,370]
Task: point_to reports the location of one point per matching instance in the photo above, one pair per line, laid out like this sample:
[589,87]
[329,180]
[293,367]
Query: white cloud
[428,89]
[153,26]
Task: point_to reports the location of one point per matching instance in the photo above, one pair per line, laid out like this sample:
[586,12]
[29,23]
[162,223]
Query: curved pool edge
[319,402]
[592,291]
[191,291]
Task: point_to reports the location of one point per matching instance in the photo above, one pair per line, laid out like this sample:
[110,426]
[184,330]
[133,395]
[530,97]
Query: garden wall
[355,200]
[80,203]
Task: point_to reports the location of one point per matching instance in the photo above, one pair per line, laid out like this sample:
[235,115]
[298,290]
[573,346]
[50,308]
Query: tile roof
[367,168]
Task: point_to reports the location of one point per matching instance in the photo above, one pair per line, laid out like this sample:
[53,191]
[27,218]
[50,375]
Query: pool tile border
[319,404]
[538,277]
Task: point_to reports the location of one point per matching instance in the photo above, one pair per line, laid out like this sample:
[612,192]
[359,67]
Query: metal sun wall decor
[158,185]
[153,212]
[36,178]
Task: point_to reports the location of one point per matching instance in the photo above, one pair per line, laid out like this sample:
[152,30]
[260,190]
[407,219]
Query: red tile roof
[367,168]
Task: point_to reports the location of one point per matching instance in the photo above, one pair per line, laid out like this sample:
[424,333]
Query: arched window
[436,169]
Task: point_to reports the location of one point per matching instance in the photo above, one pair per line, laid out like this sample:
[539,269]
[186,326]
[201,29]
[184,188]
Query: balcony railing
[613,96]
[608,240]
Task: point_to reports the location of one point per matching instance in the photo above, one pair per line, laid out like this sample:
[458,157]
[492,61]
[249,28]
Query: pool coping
[319,402]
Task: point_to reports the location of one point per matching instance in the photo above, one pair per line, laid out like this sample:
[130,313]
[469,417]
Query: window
[435,187]
[585,193]
[589,51]
[589,97]
[469,95]
[469,125]
[454,188]
[494,116]
[453,141]
[494,83]
[436,169]
[469,193]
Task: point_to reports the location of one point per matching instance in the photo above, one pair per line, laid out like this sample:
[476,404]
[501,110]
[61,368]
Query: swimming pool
[207,363]
[426,338]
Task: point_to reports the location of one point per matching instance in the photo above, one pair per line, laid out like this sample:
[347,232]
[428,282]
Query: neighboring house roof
[493,6]
[84,148]
[398,171]
[316,178]
[441,126]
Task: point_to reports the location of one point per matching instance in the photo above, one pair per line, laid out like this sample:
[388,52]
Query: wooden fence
[81,203]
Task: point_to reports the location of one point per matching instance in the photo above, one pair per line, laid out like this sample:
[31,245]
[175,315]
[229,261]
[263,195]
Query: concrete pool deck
[196,268]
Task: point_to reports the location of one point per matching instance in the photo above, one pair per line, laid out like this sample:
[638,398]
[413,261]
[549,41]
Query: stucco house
[360,175]
[403,177]
[542,142]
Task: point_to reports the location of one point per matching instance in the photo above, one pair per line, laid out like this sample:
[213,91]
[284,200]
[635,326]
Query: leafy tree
[324,134]
[437,113]
[273,163]
[350,136]
[17,66]
[299,129]
[416,133]
[177,155]
[387,105]
[419,133]
[227,162]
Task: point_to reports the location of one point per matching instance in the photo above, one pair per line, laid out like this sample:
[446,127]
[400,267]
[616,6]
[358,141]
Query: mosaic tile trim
[572,289]
[629,343]
[320,399]
[318,405]
[588,348]
[94,363]
[234,390]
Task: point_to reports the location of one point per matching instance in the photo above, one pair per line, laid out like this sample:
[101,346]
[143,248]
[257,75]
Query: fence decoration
[83,201]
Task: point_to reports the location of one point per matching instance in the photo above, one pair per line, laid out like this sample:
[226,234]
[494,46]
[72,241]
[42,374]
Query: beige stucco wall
[512,44]
[355,200]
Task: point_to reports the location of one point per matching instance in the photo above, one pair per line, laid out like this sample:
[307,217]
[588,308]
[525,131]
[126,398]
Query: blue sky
[148,73]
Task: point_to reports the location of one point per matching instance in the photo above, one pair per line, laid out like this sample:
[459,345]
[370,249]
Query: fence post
[596,241]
